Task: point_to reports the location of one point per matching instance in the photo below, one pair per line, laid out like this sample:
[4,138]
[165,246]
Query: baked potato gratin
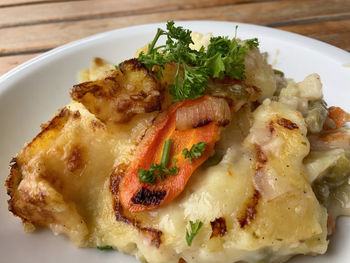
[195,151]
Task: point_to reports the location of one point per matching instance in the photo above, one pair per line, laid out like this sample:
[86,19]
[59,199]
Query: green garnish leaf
[252,43]
[105,248]
[223,57]
[159,170]
[195,152]
[194,231]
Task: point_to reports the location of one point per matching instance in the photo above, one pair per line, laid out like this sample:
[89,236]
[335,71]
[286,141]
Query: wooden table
[31,27]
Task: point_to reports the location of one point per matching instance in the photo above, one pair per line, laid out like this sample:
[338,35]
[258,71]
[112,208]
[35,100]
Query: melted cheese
[261,226]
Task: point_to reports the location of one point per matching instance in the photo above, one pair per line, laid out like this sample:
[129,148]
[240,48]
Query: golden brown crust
[287,124]
[15,204]
[218,227]
[250,211]
[121,94]
[123,215]
[11,185]
[75,160]
[36,192]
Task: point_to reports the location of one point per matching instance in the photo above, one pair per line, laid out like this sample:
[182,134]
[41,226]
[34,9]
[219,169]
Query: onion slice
[208,110]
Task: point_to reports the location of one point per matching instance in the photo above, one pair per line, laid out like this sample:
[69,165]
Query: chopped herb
[116,67]
[159,170]
[252,43]
[194,231]
[105,248]
[223,57]
[196,151]
[278,72]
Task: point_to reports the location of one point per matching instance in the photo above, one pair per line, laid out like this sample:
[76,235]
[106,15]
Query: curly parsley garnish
[159,170]
[194,231]
[105,248]
[196,151]
[223,57]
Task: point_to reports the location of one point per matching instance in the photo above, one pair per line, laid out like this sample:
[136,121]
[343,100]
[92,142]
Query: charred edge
[96,124]
[218,227]
[75,159]
[115,180]
[135,64]
[52,124]
[12,182]
[271,127]
[287,124]
[123,105]
[79,90]
[201,123]
[181,260]
[11,185]
[139,96]
[223,123]
[260,155]
[76,114]
[111,78]
[154,234]
[250,211]
[148,197]
[156,106]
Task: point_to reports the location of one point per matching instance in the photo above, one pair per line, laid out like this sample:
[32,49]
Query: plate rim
[334,52]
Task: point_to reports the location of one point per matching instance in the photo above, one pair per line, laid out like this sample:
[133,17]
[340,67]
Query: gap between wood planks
[311,30]
[87,10]
[333,28]
[46,36]
[13,3]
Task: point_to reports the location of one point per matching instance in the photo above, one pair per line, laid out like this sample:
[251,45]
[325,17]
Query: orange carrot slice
[138,196]
[339,116]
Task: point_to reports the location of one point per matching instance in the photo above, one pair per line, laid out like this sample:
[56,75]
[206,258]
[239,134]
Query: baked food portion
[252,200]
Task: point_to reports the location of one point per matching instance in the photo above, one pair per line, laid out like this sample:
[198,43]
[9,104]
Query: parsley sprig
[159,170]
[196,151]
[223,57]
[105,247]
[194,231]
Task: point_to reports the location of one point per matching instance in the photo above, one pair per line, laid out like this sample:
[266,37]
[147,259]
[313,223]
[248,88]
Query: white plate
[31,93]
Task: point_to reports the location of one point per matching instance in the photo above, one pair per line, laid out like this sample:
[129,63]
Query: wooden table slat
[336,33]
[45,36]
[9,62]
[30,27]
[24,2]
[61,11]
[339,37]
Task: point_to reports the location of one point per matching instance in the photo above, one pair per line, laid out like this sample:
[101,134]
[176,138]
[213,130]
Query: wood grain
[20,2]
[30,27]
[9,62]
[7,3]
[336,33]
[61,11]
[46,36]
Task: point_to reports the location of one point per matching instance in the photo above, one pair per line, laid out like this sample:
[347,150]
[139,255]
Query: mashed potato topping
[264,194]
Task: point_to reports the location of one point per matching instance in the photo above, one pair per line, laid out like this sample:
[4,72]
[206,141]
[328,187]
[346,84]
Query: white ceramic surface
[31,93]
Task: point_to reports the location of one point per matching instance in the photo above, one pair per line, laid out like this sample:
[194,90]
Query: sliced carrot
[339,116]
[139,196]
